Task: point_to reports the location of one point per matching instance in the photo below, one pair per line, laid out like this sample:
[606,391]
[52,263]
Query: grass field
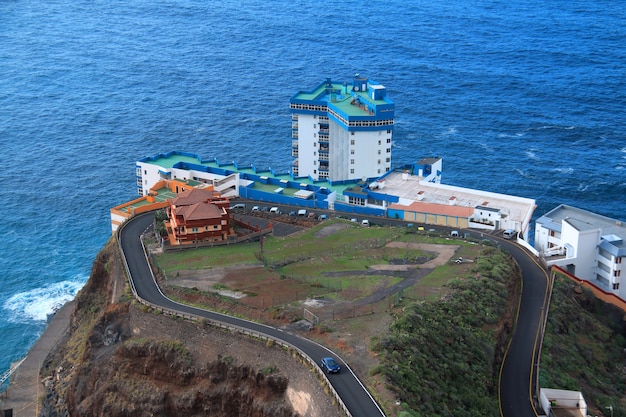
[338,260]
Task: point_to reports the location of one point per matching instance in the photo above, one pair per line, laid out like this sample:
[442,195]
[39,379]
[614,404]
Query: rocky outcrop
[121,359]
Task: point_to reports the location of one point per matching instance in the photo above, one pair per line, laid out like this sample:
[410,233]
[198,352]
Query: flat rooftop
[167,161]
[342,102]
[410,188]
[584,220]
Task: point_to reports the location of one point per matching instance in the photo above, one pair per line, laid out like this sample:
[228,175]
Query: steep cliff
[120,359]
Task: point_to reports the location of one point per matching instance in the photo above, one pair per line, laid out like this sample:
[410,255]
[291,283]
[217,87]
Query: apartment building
[342,131]
[586,244]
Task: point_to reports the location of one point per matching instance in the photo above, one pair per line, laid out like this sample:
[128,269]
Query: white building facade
[342,132]
[587,245]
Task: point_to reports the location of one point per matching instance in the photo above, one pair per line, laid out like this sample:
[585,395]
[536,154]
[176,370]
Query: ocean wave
[568,170]
[509,135]
[37,304]
[531,154]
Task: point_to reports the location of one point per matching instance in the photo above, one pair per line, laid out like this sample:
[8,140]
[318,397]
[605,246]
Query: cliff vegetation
[120,359]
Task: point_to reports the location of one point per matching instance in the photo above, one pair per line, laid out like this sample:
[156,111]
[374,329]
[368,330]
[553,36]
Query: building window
[352,133]
[388,150]
[379,162]
[315,171]
[379,171]
[351,151]
[379,142]
[616,285]
[352,161]
[314,153]
[617,273]
[388,160]
[194,230]
[352,171]
[388,140]
[552,233]
[618,260]
[356,201]
[351,141]
[314,126]
[379,152]
[388,131]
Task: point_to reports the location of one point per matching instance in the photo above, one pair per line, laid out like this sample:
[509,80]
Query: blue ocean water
[526,98]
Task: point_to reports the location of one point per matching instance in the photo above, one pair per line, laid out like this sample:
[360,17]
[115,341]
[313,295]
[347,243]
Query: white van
[239,206]
[302,212]
[509,234]
[275,210]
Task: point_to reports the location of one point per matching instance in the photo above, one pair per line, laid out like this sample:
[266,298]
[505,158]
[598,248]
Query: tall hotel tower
[342,131]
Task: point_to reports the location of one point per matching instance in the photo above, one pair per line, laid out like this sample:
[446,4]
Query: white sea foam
[531,154]
[38,303]
[568,170]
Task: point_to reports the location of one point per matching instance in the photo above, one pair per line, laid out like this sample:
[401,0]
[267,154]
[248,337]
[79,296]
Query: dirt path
[444,253]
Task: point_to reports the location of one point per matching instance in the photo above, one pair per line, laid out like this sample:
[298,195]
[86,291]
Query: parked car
[322,217]
[509,234]
[330,365]
[256,208]
[275,210]
[266,209]
[292,213]
[454,233]
[239,206]
[302,212]
[354,220]
[365,223]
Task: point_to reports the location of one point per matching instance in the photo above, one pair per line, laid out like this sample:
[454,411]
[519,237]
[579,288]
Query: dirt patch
[330,229]
[210,280]
[444,253]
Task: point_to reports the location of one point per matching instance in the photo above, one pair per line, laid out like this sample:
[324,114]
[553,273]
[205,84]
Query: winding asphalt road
[357,399]
[518,374]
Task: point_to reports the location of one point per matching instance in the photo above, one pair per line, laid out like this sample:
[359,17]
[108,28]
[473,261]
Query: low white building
[585,244]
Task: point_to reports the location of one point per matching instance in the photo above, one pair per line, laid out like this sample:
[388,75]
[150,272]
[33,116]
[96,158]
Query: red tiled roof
[193,196]
[199,211]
